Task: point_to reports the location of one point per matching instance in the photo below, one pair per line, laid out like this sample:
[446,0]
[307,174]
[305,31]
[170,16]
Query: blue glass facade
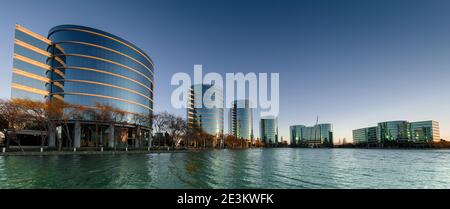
[318,134]
[209,120]
[296,134]
[398,131]
[394,131]
[425,131]
[99,67]
[365,135]
[83,66]
[30,79]
[241,119]
[269,130]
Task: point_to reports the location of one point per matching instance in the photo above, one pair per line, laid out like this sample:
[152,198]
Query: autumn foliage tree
[232,141]
[174,131]
[16,118]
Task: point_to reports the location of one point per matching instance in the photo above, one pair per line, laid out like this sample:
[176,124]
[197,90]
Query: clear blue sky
[353,63]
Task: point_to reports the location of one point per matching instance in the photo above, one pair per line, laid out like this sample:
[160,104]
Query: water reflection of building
[86,67]
[398,131]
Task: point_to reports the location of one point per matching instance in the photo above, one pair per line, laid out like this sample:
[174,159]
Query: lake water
[251,168]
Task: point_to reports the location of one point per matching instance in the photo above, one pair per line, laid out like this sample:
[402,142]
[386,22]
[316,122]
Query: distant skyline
[352,63]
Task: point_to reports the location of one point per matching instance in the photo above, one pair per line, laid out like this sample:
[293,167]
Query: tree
[259,143]
[104,114]
[38,113]
[62,113]
[231,141]
[140,120]
[3,126]
[174,126]
[193,136]
[160,125]
[177,128]
[16,119]
[178,131]
[118,118]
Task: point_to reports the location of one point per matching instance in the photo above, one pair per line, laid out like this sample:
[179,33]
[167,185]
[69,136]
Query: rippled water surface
[253,168]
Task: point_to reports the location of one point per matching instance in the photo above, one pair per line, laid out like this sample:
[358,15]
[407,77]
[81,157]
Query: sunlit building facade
[269,130]
[425,131]
[100,67]
[365,135]
[398,131]
[84,66]
[210,120]
[320,134]
[394,131]
[296,134]
[31,73]
[240,119]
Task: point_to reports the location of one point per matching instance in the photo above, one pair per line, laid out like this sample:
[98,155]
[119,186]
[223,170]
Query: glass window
[31,40]
[98,40]
[17,93]
[76,61]
[29,68]
[30,54]
[37,84]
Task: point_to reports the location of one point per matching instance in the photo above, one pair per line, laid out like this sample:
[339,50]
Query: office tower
[269,130]
[210,120]
[241,119]
[84,66]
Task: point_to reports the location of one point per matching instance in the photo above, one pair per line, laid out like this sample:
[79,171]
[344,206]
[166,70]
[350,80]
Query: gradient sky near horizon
[352,63]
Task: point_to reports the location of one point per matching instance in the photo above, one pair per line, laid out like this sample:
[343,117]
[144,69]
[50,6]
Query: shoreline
[106,152]
[159,151]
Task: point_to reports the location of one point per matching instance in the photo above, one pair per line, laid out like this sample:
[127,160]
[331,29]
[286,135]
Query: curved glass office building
[84,66]
[241,119]
[98,67]
[269,130]
[296,134]
[199,115]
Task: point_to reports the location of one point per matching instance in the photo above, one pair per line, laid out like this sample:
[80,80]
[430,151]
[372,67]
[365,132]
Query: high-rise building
[398,131]
[83,66]
[240,119]
[296,134]
[31,72]
[320,134]
[209,119]
[269,130]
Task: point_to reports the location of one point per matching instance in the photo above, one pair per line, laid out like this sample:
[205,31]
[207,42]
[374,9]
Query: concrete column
[101,137]
[137,142]
[111,136]
[137,139]
[150,139]
[52,136]
[77,135]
